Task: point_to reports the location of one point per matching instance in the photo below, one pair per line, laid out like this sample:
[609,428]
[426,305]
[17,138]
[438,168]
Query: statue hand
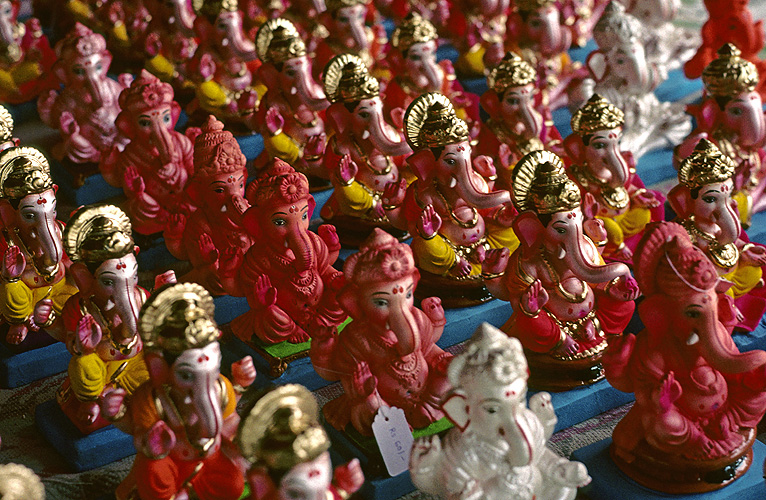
[625,289]
[206,66]
[426,453]
[485,166]
[329,235]
[315,145]
[669,392]
[68,124]
[164,279]
[506,215]
[134,183]
[347,170]
[265,294]
[274,120]
[43,310]
[243,372]
[432,307]
[534,298]
[13,263]
[349,477]
[88,334]
[595,230]
[112,402]
[495,261]
[176,226]
[153,44]
[462,268]
[647,199]
[397,118]
[363,381]
[504,153]
[753,256]
[158,441]
[394,192]
[227,263]
[429,222]
[207,249]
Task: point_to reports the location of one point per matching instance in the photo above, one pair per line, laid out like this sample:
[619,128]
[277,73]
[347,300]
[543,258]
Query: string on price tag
[392,432]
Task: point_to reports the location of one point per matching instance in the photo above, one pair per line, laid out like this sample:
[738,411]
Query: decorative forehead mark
[461,148]
[571,215]
[612,135]
[121,264]
[397,289]
[42,200]
[293,209]
[202,358]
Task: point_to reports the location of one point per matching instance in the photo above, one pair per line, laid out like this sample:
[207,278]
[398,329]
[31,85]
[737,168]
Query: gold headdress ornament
[616,28]
[413,29]
[540,184]
[278,40]
[532,5]
[333,5]
[729,74]
[96,233]
[705,165]
[430,122]
[178,317]
[512,71]
[212,8]
[23,171]
[6,124]
[282,430]
[597,114]
[346,79]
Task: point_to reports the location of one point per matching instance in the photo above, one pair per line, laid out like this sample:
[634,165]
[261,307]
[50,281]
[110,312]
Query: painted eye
[279,222]
[491,409]
[415,57]
[343,19]
[143,122]
[379,302]
[305,216]
[513,101]
[409,294]
[709,199]
[219,190]
[620,61]
[599,145]
[561,230]
[535,23]
[99,67]
[78,71]
[364,114]
[290,72]
[450,161]
[107,282]
[736,111]
[29,216]
[692,313]
[166,118]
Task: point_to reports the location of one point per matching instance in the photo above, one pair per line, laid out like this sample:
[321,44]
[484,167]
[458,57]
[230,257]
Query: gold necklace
[616,198]
[724,256]
[451,210]
[386,169]
[568,296]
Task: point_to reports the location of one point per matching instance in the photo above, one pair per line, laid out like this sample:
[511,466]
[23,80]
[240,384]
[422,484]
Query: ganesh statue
[26,56]
[412,57]
[292,111]
[703,202]
[600,168]
[518,123]
[498,447]
[224,66]
[288,450]
[729,22]
[35,283]
[170,42]
[477,30]
[731,115]
[287,276]
[565,299]
[698,398]
[154,166]
[183,419]
[99,324]
[7,140]
[626,76]
[84,111]
[387,356]
[212,237]
[451,212]
[364,154]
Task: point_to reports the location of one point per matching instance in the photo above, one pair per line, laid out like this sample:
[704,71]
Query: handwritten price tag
[392,432]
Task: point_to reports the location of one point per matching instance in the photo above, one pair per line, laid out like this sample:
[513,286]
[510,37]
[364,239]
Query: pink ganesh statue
[698,398]
[85,110]
[155,165]
[477,29]
[170,42]
[387,356]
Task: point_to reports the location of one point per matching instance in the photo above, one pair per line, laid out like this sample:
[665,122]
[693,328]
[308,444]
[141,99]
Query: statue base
[352,231]
[582,403]
[552,374]
[453,292]
[21,368]
[70,405]
[677,475]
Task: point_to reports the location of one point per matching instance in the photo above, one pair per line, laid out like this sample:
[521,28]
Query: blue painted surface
[610,483]
[22,368]
[81,452]
[95,188]
[251,145]
[578,405]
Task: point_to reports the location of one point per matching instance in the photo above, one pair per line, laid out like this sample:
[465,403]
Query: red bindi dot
[313,473]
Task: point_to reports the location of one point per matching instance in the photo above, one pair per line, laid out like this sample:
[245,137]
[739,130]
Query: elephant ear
[175,112]
[708,115]
[124,125]
[456,408]
[83,278]
[655,312]
[574,147]
[597,64]
[159,371]
[348,298]
[491,104]
[529,229]
[514,27]
[193,192]
[312,205]
[337,117]
[250,222]
[7,214]
[680,200]
[268,75]
[422,163]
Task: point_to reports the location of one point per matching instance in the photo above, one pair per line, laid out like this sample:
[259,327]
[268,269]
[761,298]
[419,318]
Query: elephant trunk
[752,132]
[46,247]
[382,138]
[359,36]
[474,190]
[617,166]
[162,139]
[11,48]
[405,327]
[517,434]
[433,76]
[581,266]
[532,121]
[96,87]
[299,243]
[205,419]
[722,355]
[728,221]
[183,12]
[310,92]
[239,42]
[127,307]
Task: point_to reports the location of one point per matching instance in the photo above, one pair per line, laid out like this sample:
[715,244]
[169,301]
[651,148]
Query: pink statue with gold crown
[518,123]
[608,174]
[155,165]
[26,56]
[212,237]
[387,356]
[565,299]
[85,110]
[731,115]
[287,276]
[698,398]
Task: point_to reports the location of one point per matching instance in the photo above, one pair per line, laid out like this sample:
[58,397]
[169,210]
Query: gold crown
[212,8]
[705,165]
[413,29]
[512,71]
[97,233]
[23,171]
[333,5]
[282,430]
[430,122]
[616,28]
[6,124]
[278,41]
[532,5]
[178,317]
[597,114]
[729,74]
[346,79]
[540,184]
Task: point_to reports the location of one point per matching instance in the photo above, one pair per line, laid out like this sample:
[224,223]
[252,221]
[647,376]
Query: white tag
[392,432]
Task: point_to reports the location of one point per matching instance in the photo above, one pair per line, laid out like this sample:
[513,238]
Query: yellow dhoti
[745,278]
[624,226]
[89,374]
[17,300]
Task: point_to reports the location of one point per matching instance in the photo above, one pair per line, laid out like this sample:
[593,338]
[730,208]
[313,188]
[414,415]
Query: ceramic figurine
[729,22]
[477,30]
[413,60]
[453,215]
[437,12]
[288,450]
[35,284]
[626,77]
[306,16]
[26,56]
[364,154]
[18,482]
[580,16]
[731,115]
[170,42]
[517,123]
[702,200]
[387,356]
[155,165]
[697,398]
[212,237]
[184,417]
[498,447]
[6,130]
[85,110]
[292,111]
[100,322]
[565,299]
[600,168]
[287,275]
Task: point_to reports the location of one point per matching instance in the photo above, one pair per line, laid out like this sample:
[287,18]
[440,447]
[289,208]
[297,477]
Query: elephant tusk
[562,253]
[452,182]
[366,134]
[293,91]
[693,339]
